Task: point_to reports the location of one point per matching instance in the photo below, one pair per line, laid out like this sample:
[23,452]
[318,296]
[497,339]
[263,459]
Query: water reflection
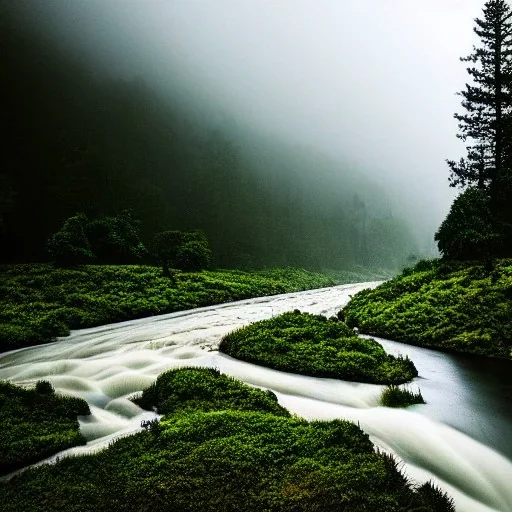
[471,394]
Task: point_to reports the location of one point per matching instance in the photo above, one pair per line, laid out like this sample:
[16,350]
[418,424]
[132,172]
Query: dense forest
[82,140]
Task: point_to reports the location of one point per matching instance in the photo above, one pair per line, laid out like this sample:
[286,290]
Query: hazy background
[333,116]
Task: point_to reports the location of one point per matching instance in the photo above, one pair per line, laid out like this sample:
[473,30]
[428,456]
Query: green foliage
[188,389]
[455,306]
[36,423]
[70,246]
[470,231]
[394,396]
[43,387]
[40,302]
[116,238]
[314,345]
[184,250]
[224,460]
[486,100]
[434,498]
[109,239]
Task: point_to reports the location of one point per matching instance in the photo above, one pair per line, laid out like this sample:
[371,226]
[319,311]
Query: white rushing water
[105,365]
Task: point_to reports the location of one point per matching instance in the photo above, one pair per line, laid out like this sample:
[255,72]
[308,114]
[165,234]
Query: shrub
[69,245]
[116,238]
[393,396]
[184,250]
[470,231]
[434,498]
[43,387]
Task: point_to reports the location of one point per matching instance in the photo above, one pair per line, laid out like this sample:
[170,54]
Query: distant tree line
[479,225]
[115,239]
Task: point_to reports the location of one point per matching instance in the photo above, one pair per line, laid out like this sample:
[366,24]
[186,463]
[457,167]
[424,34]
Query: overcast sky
[372,81]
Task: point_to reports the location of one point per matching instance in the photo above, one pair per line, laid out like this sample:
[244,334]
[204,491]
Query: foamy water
[106,365]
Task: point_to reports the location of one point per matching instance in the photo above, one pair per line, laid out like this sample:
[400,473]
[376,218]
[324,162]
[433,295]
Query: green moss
[36,423]
[40,302]
[314,345]
[224,460]
[188,389]
[393,396]
[458,306]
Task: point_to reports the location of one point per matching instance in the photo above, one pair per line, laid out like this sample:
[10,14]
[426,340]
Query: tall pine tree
[487,102]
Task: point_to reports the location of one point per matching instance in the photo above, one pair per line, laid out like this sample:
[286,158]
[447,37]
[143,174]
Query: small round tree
[469,231]
[70,246]
[116,238]
[183,250]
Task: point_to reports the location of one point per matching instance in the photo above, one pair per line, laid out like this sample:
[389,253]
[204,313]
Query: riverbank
[458,307]
[41,302]
[36,423]
[240,452]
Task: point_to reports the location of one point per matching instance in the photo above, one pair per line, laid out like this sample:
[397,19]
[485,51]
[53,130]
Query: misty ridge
[103,117]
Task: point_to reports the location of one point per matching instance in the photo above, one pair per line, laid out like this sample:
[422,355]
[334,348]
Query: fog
[370,85]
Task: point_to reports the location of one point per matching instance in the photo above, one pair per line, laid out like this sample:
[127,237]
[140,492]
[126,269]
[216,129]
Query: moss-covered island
[452,306]
[317,346]
[36,423]
[41,302]
[225,457]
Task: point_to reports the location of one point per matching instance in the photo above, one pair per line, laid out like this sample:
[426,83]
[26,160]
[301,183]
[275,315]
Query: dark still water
[471,394]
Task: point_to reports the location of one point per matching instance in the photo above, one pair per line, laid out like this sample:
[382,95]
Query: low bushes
[40,302]
[225,460]
[36,423]
[393,396]
[314,345]
[458,306]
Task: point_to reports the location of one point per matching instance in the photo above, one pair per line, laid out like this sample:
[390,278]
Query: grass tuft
[394,396]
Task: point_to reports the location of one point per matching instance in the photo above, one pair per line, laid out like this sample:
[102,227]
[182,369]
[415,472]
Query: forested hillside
[82,140]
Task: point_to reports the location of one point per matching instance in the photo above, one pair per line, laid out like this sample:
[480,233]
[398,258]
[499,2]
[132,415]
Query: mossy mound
[316,346]
[462,307]
[205,389]
[225,460]
[36,423]
[41,302]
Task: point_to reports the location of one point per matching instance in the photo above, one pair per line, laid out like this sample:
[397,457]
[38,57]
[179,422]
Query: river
[460,439]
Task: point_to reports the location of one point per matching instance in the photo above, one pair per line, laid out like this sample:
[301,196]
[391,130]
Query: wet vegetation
[454,306]
[206,390]
[36,423]
[317,346]
[226,460]
[40,302]
[394,396]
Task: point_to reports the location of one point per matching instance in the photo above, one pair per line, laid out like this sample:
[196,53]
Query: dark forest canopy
[79,140]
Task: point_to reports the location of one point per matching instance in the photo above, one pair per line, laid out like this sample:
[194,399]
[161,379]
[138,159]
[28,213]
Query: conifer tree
[487,102]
